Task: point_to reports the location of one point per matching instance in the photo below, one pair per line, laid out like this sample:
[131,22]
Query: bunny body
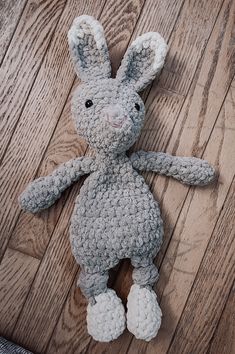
[115,214]
[115,217]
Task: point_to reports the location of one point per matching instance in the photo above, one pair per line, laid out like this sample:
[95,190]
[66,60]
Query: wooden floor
[190,111]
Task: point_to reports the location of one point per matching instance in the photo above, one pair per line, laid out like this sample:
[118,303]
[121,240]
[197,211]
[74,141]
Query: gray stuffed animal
[115,215]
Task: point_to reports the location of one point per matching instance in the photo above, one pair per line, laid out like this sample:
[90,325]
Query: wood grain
[70,334]
[17,272]
[211,287]
[39,117]
[24,56]
[188,42]
[223,341]
[198,114]
[193,230]
[49,290]
[10,13]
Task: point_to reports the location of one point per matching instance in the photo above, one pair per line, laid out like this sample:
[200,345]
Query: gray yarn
[92,284]
[7,347]
[115,217]
[44,191]
[188,170]
[115,214]
[145,276]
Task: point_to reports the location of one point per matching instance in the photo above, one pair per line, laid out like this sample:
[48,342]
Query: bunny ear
[143,60]
[88,49]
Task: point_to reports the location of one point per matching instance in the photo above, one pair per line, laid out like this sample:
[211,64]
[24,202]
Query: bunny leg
[143,312]
[105,312]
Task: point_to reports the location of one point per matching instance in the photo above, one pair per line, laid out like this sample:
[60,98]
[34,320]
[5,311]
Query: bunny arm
[188,170]
[44,191]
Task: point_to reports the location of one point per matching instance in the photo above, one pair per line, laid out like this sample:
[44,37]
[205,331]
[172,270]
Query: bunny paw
[144,314]
[106,318]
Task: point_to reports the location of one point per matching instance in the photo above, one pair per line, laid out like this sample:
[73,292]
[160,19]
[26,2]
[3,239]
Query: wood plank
[193,230]
[17,272]
[39,117]
[188,43]
[66,145]
[10,12]
[155,133]
[56,260]
[70,334]
[198,115]
[223,341]
[211,287]
[160,18]
[49,290]
[22,61]
[127,14]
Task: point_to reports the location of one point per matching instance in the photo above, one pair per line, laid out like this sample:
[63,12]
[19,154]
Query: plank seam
[22,252]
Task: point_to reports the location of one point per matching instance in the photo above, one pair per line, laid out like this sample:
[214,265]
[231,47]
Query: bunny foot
[144,314]
[106,318]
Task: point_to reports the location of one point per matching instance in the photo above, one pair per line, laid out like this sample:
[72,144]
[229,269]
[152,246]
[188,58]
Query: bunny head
[108,112]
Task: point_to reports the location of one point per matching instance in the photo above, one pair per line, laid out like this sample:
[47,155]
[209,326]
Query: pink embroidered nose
[115,116]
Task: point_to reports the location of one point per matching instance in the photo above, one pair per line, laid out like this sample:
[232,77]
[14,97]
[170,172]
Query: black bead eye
[88,103]
[137,106]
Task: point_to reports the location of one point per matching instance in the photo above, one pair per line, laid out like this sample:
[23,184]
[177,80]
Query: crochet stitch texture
[115,214]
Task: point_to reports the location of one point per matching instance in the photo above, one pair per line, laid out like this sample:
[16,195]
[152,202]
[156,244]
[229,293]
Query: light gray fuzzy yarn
[115,214]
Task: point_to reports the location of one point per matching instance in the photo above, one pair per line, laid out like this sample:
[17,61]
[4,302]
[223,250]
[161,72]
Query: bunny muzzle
[115,116]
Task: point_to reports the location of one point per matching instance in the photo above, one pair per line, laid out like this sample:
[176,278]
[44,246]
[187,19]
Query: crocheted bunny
[115,215]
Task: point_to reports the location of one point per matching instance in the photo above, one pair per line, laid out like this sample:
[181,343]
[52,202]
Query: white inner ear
[89,49]
[151,42]
[143,60]
[86,25]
